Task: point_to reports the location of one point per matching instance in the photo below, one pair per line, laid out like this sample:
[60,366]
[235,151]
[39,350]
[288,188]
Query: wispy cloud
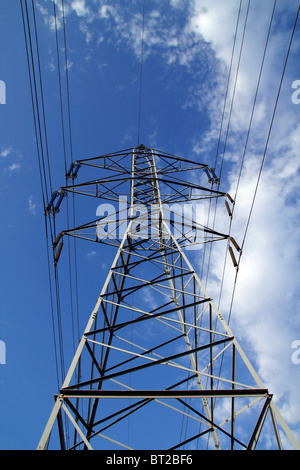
[5,152]
[31,205]
[14,167]
[11,159]
[80,7]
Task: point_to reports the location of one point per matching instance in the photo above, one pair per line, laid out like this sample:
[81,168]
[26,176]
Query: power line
[255,98]
[39,117]
[71,159]
[34,101]
[67,79]
[42,94]
[141,71]
[231,109]
[70,255]
[264,154]
[242,162]
[235,83]
[60,86]
[39,140]
[217,153]
[218,145]
[68,213]
[247,137]
[51,304]
[228,82]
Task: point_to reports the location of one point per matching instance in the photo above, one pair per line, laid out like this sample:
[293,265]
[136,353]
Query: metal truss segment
[155,343]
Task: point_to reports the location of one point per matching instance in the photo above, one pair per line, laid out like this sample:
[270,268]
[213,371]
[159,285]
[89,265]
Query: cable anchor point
[211,175]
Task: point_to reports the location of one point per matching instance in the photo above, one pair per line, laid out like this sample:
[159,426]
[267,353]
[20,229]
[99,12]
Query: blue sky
[187,53]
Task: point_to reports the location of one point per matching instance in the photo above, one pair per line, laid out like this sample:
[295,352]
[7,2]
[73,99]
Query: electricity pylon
[156,357]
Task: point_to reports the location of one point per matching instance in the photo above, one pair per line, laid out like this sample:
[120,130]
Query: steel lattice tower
[183,362]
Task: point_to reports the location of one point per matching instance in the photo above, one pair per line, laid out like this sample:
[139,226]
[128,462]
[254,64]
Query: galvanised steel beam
[256,392]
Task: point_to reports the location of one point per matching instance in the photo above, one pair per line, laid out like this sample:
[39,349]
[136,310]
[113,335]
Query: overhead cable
[265,151]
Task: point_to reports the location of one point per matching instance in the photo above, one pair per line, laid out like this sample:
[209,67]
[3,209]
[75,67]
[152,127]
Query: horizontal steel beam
[253,392]
[163,360]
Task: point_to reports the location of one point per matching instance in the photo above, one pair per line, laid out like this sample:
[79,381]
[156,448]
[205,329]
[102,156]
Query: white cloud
[105,11]
[9,152]
[91,254]
[214,21]
[14,166]
[84,28]
[5,152]
[51,67]
[178,3]
[56,21]
[70,64]
[31,205]
[80,7]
